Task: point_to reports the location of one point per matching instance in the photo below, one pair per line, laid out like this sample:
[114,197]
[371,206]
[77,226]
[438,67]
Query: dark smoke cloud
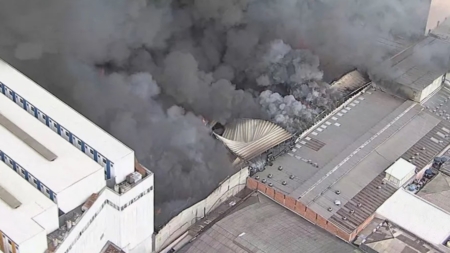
[209,57]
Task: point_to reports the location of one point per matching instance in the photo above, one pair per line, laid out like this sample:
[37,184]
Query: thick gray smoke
[145,70]
[298,71]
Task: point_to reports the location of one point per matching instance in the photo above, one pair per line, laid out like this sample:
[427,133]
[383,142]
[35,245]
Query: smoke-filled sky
[144,70]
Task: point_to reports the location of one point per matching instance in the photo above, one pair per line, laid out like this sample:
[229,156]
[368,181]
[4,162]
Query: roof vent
[344,218]
[338,192]
[284,183]
[352,211]
[423,148]
[379,187]
[291,177]
[264,180]
[270,184]
[280,168]
[330,209]
[337,202]
[270,176]
[359,205]
[257,177]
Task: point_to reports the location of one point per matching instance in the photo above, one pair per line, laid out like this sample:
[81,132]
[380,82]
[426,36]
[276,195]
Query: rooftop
[351,81]
[437,191]
[442,31]
[248,138]
[261,225]
[410,67]
[340,163]
[28,219]
[67,117]
[69,167]
[389,238]
[417,216]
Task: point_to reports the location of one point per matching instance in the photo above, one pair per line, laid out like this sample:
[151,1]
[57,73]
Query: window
[48,192]
[21,100]
[9,241]
[79,142]
[54,124]
[10,92]
[32,108]
[34,180]
[104,160]
[10,161]
[43,116]
[67,133]
[90,150]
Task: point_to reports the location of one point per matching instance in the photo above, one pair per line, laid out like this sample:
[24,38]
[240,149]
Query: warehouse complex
[67,186]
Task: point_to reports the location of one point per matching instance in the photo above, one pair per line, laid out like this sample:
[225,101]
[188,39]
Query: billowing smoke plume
[145,70]
[306,95]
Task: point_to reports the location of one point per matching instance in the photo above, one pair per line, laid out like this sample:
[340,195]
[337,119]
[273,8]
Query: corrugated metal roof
[407,67]
[351,81]
[364,204]
[429,146]
[248,138]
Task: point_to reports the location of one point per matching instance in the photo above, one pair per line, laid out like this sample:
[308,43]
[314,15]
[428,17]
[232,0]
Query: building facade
[97,193]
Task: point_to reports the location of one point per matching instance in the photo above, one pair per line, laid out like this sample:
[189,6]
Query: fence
[181,223]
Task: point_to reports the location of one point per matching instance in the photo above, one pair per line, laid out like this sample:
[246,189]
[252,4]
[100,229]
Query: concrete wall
[306,213]
[125,220]
[430,88]
[123,167]
[181,223]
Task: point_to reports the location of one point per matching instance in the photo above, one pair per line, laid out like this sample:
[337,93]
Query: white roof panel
[416,216]
[18,224]
[67,117]
[70,166]
[401,168]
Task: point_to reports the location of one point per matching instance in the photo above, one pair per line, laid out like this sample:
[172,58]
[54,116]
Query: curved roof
[248,138]
[351,81]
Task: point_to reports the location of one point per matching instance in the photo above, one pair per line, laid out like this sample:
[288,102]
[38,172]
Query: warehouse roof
[67,117]
[437,191]
[417,216]
[343,158]
[261,225]
[411,67]
[70,164]
[22,223]
[248,138]
[351,81]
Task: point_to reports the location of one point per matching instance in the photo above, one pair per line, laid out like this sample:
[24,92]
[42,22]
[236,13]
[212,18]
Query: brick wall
[302,210]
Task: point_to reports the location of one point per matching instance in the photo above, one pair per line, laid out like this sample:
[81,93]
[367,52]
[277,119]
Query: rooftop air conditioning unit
[134,177]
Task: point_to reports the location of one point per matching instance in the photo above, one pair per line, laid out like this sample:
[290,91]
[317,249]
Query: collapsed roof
[248,138]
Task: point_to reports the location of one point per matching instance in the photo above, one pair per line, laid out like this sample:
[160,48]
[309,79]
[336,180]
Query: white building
[417,216]
[114,156]
[26,214]
[54,198]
